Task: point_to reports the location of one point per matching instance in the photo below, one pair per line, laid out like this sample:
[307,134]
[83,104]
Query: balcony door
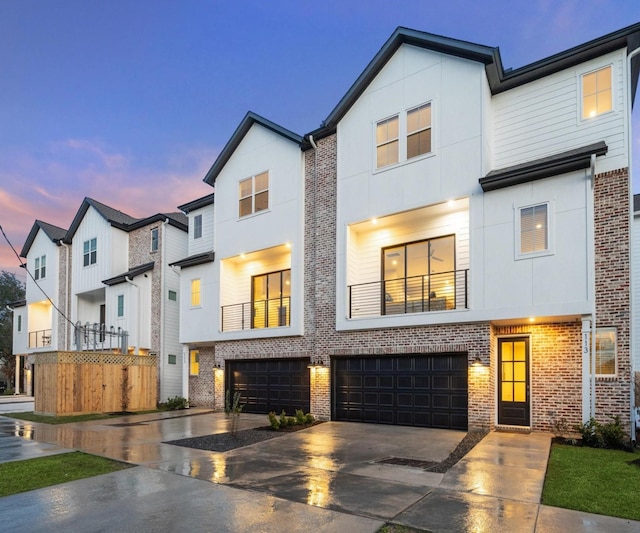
[419,276]
[270,298]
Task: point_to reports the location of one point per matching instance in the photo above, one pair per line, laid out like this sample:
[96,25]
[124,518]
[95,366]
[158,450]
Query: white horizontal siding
[544,117]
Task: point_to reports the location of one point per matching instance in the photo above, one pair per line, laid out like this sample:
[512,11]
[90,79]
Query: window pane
[419,143]
[86,247]
[589,84]
[246,188]
[606,351]
[259,288]
[507,392]
[507,351]
[519,392]
[419,119]
[418,259]
[245,206]
[534,229]
[603,78]
[507,371]
[195,292]
[604,102]
[262,182]
[286,283]
[262,201]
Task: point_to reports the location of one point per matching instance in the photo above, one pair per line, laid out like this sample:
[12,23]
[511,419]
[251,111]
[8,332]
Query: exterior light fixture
[477,362]
[316,362]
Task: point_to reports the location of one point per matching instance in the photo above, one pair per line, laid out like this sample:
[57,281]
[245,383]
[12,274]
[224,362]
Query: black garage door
[270,384]
[407,390]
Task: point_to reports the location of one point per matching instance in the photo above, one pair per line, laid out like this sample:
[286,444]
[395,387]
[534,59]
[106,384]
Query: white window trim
[580,76]
[192,305]
[402,138]
[253,195]
[89,253]
[518,255]
[615,353]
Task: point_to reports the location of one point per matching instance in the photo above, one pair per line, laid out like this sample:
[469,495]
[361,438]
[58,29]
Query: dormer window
[253,194]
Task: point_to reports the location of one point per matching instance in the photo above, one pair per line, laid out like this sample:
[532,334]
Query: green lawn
[31,417]
[593,480]
[30,474]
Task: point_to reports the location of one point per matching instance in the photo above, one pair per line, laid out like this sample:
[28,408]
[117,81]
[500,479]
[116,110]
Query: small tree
[11,290]
[232,408]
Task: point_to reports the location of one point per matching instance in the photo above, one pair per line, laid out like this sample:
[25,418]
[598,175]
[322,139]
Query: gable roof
[54,233]
[131,273]
[177,220]
[193,260]
[197,204]
[243,128]
[116,218]
[499,79]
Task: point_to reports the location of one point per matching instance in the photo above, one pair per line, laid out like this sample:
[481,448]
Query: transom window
[534,229]
[154,240]
[40,270]
[597,96]
[197,226]
[90,252]
[606,355]
[387,142]
[419,131]
[253,194]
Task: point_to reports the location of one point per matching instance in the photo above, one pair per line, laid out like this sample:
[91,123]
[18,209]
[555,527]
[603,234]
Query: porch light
[374,220]
[532,319]
[217,366]
[316,362]
[477,362]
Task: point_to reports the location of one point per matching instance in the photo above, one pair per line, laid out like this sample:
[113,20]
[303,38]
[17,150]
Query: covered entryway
[409,390]
[513,381]
[270,384]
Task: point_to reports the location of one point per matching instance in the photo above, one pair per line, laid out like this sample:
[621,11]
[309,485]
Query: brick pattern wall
[203,391]
[613,296]
[556,371]
[64,333]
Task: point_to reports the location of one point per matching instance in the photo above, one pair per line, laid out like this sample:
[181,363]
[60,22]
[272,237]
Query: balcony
[40,339]
[445,291]
[272,313]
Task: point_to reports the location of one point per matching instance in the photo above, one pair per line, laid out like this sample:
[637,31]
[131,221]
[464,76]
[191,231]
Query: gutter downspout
[67,295]
[162,309]
[16,384]
[634,335]
[137,345]
[592,267]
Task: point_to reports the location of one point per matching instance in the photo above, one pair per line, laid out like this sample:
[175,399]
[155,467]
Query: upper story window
[408,134]
[253,194]
[90,252]
[195,292]
[173,296]
[606,353]
[120,305]
[154,240]
[271,295]
[419,131]
[533,225]
[197,226]
[387,142]
[194,362]
[597,95]
[40,270]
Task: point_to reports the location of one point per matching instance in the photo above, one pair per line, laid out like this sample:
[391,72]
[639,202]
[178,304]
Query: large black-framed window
[419,276]
[270,298]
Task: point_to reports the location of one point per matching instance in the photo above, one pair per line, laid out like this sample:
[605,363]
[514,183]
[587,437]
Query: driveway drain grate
[400,461]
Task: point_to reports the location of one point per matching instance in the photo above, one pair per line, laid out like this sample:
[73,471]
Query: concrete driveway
[324,478]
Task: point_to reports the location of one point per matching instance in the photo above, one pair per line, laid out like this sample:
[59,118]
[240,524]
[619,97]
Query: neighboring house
[109,275]
[450,249]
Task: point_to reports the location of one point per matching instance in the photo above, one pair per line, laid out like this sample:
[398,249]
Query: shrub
[9,392]
[309,418]
[291,421]
[300,418]
[283,419]
[273,420]
[177,402]
[597,435]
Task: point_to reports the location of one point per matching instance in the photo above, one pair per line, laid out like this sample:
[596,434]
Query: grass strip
[30,474]
[32,417]
[593,480]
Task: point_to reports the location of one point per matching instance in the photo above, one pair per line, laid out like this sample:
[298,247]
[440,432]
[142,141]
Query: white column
[17,388]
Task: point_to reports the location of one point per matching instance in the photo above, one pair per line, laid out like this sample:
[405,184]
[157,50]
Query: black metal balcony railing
[40,339]
[272,313]
[97,337]
[444,291]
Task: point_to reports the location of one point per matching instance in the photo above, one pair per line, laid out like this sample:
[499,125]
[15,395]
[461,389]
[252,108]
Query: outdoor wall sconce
[477,362]
[217,366]
[316,362]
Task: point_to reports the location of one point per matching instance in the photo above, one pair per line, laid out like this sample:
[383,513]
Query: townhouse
[104,285]
[449,249]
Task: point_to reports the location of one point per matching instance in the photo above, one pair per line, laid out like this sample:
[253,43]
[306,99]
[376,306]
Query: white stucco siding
[503,282]
[544,117]
[413,77]
[136,319]
[197,323]
[20,335]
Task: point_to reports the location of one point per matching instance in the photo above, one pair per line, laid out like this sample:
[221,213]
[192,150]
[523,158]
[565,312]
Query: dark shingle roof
[54,233]
[197,204]
[193,260]
[131,273]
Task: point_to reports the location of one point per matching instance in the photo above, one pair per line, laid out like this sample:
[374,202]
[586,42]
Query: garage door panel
[271,384]
[417,390]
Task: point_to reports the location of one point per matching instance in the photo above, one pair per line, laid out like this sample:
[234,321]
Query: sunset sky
[129,102]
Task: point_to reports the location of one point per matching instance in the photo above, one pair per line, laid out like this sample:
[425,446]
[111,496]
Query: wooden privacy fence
[71,383]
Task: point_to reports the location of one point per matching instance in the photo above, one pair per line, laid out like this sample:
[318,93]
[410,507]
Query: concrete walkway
[326,478]
[16,403]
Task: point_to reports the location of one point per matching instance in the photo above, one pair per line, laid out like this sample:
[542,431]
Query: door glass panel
[286,283]
[507,371]
[507,392]
[520,372]
[507,351]
[520,352]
